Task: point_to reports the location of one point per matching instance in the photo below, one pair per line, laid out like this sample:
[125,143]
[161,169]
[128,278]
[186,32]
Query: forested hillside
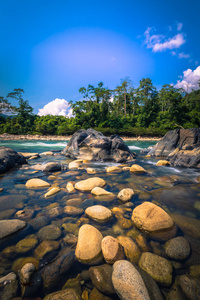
[126,110]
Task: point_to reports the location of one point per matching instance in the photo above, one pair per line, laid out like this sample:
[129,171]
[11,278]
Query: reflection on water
[176,190]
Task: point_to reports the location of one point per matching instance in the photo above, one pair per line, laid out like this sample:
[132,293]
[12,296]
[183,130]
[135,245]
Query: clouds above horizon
[159,42]
[190,80]
[57,107]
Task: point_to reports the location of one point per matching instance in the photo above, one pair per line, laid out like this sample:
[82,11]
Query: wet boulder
[180,146]
[93,145]
[53,273]
[154,221]
[10,158]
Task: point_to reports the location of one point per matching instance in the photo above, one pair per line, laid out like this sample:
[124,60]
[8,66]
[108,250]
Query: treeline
[125,110]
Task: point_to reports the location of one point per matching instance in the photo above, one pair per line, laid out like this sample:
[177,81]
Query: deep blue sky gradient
[52,48]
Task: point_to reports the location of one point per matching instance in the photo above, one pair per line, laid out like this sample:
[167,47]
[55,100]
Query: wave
[42,144]
[134,148]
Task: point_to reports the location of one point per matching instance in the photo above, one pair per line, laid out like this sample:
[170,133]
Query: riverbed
[176,190]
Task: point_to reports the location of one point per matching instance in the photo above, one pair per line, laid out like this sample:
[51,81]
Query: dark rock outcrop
[180,146]
[9,158]
[93,145]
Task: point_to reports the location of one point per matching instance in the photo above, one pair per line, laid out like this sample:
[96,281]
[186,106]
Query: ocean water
[176,190]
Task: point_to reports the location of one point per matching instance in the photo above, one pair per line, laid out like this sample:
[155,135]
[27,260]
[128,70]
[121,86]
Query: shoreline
[7,137]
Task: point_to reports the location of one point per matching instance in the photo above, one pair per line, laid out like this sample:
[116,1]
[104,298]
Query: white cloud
[57,107]
[159,43]
[183,55]
[190,80]
[179,26]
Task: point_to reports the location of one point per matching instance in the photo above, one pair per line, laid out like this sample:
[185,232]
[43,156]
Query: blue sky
[52,48]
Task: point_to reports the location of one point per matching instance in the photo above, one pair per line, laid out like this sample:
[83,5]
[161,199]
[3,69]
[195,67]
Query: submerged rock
[98,213]
[154,221]
[101,277]
[177,248]
[157,267]
[36,183]
[8,227]
[69,294]
[93,145]
[9,158]
[49,232]
[9,286]
[53,273]
[89,184]
[125,195]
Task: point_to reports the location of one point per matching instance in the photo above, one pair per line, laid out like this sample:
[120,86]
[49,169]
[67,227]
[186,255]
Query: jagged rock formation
[93,145]
[180,146]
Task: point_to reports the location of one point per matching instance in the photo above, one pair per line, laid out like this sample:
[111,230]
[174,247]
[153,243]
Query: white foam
[42,144]
[135,148]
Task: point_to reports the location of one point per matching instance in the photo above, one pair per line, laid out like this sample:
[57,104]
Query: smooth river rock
[52,192]
[101,277]
[177,248]
[90,183]
[88,249]
[36,183]
[8,227]
[125,195]
[99,213]
[111,249]
[128,282]
[97,191]
[154,221]
[49,232]
[131,249]
[157,267]
[137,169]
[67,294]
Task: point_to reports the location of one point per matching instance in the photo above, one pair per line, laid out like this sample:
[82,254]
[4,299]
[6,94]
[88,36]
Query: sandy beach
[7,136]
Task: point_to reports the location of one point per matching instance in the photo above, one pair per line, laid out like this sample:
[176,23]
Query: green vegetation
[125,110]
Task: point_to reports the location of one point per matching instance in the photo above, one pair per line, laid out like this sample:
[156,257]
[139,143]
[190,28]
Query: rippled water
[176,190]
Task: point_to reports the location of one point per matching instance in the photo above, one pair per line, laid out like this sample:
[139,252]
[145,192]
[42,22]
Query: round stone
[36,183]
[177,248]
[163,163]
[111,249]
[131,250]
[97,191]
[50,232]
[8,227]
[26,245]
[113,169]
[73,210]
[45,247]
[101,277]
[157,267]
[137,169]
[90,183]
[125,194]
[154,221]
[98,213]
[88,249]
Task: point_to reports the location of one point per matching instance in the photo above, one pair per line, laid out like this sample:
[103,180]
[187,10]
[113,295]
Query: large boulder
[180,146]
[93,145]
[154,221]
[10,158]
[128,282]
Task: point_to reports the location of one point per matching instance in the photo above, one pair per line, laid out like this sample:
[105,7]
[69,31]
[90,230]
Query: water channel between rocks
[176,190]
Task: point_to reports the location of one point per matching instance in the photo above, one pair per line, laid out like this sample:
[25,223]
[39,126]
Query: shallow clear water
[176,190]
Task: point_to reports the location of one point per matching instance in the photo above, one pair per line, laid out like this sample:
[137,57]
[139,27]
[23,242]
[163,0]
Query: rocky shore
[6,136]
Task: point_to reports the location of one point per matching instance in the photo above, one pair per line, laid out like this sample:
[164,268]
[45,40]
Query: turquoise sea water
[176,190]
